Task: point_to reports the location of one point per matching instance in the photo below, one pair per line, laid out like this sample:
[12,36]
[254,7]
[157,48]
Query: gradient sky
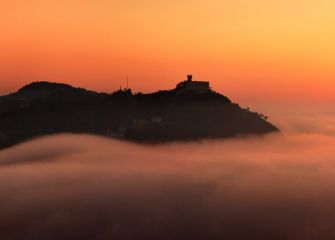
[260,50]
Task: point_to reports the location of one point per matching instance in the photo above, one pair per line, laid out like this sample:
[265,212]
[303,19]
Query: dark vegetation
[43,108]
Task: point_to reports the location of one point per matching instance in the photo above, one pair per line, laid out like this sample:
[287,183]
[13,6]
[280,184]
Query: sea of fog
[78,187]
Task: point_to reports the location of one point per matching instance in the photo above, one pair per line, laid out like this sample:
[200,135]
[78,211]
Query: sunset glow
[167,119]
[249,50]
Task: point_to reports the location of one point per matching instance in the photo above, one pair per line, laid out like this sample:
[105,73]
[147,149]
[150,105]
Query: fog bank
[85,187]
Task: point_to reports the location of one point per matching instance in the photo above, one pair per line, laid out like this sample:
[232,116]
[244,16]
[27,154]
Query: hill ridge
[191,111]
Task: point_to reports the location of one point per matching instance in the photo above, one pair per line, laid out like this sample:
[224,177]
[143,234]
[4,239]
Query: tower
[189,77]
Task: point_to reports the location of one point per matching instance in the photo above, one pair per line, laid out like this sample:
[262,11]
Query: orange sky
[259,50]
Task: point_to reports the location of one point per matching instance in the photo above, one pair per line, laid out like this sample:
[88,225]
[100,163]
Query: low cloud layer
[84,187]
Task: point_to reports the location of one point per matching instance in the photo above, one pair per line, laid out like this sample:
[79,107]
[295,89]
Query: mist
[279,186]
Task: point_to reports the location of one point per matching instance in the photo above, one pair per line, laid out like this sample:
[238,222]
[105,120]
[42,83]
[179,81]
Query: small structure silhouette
[200,87]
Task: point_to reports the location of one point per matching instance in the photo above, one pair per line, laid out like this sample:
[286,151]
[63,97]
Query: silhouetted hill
[190,111]
[47,87]
[45,90]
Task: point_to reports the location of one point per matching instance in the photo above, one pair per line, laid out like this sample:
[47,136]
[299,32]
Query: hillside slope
[43,108]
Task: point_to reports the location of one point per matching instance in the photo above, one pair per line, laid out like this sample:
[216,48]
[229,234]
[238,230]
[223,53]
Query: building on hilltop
[189,85]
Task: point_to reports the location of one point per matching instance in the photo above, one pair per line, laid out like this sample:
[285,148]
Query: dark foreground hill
[191,111]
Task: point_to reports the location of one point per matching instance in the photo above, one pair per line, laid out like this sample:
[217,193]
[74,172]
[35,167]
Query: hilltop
[191,111]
